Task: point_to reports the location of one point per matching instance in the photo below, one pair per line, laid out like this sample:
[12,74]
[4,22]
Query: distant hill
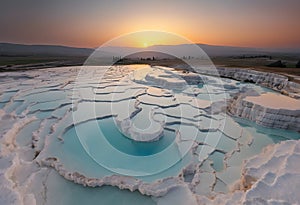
[213,50]
[191,50]
[8,49]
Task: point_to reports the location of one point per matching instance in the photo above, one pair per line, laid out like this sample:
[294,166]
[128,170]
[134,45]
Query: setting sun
[146,38]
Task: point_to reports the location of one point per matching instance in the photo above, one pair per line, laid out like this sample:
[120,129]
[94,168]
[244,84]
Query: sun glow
[144,39]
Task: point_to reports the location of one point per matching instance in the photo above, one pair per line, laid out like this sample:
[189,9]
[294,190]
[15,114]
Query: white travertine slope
[270,110]
[270,178]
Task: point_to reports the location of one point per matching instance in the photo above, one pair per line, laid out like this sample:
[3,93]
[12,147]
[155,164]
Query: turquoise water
[275,135]
[74,157]
[45,96]
[125,153]
[43,114]
[13,106]
[24,136]
[262,136]
[217,158]
[6,96]
[96,145]
[2,104]
[128,146]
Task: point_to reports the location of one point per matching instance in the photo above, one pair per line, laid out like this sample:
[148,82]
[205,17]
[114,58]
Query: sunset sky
[90,23]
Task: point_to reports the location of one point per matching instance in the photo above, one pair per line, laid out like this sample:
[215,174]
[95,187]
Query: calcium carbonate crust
[265,116]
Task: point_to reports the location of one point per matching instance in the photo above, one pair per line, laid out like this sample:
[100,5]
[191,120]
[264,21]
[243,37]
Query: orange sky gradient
[255,23]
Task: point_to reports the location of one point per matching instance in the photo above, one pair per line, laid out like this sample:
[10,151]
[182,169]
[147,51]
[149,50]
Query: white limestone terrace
[162,77]
[38,138]
[275,101]
[140,126]
[274,81]
[268,109]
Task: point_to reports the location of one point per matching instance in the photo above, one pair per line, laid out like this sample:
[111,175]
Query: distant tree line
[116,58]
[280,64]
[187,57]
[252,56]
[148,59]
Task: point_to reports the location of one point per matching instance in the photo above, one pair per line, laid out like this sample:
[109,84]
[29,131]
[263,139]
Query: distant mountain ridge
[211,50]
[231,50]
[9,49]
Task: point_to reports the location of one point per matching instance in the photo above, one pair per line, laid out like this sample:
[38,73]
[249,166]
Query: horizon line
[80,47]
